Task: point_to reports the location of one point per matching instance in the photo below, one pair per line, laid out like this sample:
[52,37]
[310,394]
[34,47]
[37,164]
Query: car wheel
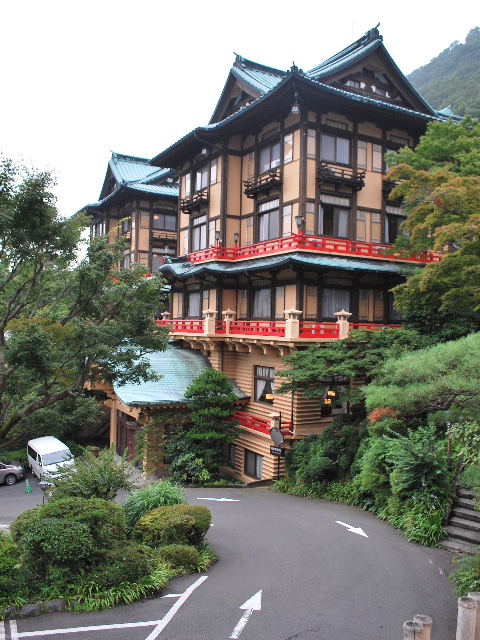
[10,479]
[33,472]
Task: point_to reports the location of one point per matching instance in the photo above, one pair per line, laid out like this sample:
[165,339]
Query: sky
[82,79]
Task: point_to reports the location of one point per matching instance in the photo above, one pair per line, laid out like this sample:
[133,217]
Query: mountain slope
[453,77]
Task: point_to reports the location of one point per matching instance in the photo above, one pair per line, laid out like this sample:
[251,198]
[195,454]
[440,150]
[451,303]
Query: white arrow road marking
[159,624]
[357,530]
[220,499]
[252,604]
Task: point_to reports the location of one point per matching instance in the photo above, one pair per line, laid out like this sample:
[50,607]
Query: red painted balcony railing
[248,421]
[307,330]
[314,244]
[257,328]
[318,330]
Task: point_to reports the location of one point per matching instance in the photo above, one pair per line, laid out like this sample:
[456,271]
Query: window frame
[337,140]
[266,375]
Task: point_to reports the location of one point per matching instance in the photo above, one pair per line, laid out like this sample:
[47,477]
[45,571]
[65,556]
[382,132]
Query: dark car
[11,471]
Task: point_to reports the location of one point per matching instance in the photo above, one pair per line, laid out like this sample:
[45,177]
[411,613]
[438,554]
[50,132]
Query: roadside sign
[277,451]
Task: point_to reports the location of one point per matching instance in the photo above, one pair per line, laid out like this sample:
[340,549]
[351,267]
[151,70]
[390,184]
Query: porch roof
[176,368]
[188,269]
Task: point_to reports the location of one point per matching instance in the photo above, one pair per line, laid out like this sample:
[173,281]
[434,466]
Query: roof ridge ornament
[373,34]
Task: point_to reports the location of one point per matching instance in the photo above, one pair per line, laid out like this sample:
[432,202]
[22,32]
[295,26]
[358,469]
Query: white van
[47,455]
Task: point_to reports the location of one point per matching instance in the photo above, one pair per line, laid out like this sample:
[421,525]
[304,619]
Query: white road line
[160,627]
[159,624]
[13,630]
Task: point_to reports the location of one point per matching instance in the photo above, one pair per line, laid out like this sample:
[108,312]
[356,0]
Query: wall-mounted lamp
[217,237]
[298,222]
[295,110]
[236,237]
[204,151]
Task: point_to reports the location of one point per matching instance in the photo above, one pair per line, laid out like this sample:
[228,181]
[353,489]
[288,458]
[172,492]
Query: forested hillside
[453,77]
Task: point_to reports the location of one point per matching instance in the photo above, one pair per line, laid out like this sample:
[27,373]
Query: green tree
[63,324]
[337,364]
[439,185]
[212,406]
[445,377]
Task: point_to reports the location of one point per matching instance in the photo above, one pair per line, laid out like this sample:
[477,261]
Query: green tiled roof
[176,368]
[188,269]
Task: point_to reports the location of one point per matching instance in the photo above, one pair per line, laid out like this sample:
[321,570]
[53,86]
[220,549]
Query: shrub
[105,520]
[9,553]
[180,556]
[158,494]
[94,477]
[22,523]
[470,478]
[178,524]
[18,454]
[466,576]
[57,541]
[127,563]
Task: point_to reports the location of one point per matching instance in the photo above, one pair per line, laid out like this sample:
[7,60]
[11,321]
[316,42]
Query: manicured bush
[105,520]
[129,562]
[178,524]
[180,555]
[22,523]
[159,494]
[57,541]
[20,455]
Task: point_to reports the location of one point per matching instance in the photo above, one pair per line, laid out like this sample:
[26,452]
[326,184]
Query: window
[268,220]
[393,221]
[199,233]
[99,229]
[334,149]
[193,301]
[371,306]
[334,300]
[311,143]
[126,226]
[310,302]
[403,142]
[377,158]
[262,301]
[242,303]
[213,171]
[125,263]
[333,221]
[362,154]
[185,242]
[309,218]
[263,381]
[179,305]
[393,314]
[337,125]
[249,230]
[269,157]
[369,226]
[279,303]
[288,148]
[251,164]
[205,300]
[201,178]
[165,221]
[187,185]
[287,221]
[253,464]
[211,233]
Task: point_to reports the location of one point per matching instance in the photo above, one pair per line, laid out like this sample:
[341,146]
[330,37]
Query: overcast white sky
[82,79]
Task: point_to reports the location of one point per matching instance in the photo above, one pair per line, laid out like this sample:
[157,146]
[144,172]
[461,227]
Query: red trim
[314,244]
[247,421]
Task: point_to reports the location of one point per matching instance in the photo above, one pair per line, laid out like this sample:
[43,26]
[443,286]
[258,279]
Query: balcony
[195,201]
[311,244]
[340,177]
[247,421]
[301,331]
[263,183]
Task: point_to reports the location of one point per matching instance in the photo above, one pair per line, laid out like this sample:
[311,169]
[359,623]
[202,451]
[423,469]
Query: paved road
[318,580]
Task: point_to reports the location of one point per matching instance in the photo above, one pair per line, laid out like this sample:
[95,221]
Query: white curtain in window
[262,303]
[194,305]
[327,148]
[343,151]
[334,300]
[275,157]
[341,220]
